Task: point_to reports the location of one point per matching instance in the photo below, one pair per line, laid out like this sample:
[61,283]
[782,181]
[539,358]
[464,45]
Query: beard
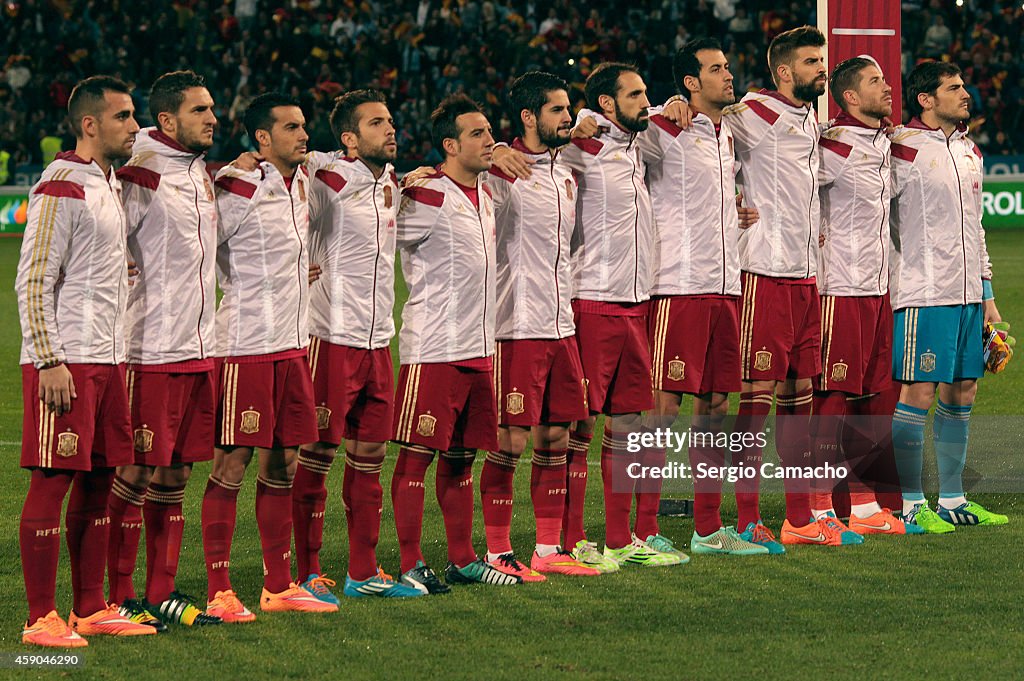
[196,144]
[878,111]
[631,123]
[808,91]
[379,156]
[550,138]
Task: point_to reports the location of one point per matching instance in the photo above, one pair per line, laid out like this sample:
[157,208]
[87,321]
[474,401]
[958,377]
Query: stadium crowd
[419,51]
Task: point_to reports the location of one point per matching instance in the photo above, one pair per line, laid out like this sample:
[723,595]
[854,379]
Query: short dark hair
[784,46]
[442,120]
[847,76]
[604,80]
[87,99]
[168,92]
[530,91]
[343,117]
[686,62]
[259,115]
[926,78]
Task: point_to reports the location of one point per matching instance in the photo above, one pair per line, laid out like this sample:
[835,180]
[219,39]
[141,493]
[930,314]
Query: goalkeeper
[941,294]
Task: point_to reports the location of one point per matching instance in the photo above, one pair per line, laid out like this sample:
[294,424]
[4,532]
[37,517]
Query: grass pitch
[897,607]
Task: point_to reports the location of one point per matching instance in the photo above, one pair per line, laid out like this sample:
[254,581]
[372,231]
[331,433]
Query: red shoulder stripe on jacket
[144,177]
[591,146]
[498,172]
[394,177]
[237,186]
[763,111]
[666,125]
[488,191]
[61,188]
[977,150]
[903,152]
[430,197]
[838,147]
[331,179]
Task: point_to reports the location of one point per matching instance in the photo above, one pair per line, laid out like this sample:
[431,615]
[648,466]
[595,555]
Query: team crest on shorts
[676,370]
[762,360]
[388,198]
[323,418]
[927,362]
[839,370]
[426,424]
[67,445]
[250,422]
[143,440]
[514,403]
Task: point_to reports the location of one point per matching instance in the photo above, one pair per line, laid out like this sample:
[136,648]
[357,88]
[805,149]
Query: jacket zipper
[120,281]
[202,259]
[960,195]
[558,254]
[636,224]
[376,260]
[810,203]
[721,184]
[487,264]
[302,279]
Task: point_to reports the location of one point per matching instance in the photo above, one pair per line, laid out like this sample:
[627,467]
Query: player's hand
[414,176]
[314,272]
[748,216]
[512,162]
[679,112]
[133,272]
[248,161]
[586,129]
[992,315]
[57,389]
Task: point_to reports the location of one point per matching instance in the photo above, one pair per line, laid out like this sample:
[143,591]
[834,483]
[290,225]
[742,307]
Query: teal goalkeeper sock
[951,426]
[908,443]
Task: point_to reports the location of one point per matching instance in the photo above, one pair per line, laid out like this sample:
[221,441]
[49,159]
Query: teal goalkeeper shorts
[939,344]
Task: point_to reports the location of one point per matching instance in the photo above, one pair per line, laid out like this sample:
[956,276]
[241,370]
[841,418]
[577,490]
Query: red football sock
[165,522]
[648,494]
[220,503]
[826,437]
[867,439]
[547,492]
[39,536]
[274,522]
[364,502]
[617,504]
[793,442]
[454,489]
[88,531]
[496,498]
[707,490]
[309,499]
[125,510]
[407,499]
[755,406]
[576,487]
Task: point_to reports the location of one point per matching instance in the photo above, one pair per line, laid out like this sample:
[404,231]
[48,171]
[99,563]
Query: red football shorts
[856,344]
[539,382]
[174,415]
[695,344]
[96,433]
[266,401]
[780,328]
[354,392]
[442,406]
[615,356]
